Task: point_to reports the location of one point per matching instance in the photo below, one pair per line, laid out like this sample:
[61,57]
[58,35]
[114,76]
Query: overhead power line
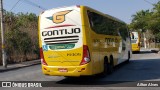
[148,2]
[15,5]
[34,4]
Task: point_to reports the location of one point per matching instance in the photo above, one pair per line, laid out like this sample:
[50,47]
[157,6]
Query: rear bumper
[72,70]
[135,49]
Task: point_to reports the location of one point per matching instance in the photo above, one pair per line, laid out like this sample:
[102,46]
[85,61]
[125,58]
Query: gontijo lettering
[61,32]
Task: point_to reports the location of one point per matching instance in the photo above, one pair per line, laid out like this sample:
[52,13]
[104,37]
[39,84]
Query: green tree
[21,36]
[18,41]
[148,20]
[140,20]
[154,22]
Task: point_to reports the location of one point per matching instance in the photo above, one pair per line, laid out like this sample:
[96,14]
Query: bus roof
[78,6]
[107,15]
[60,8]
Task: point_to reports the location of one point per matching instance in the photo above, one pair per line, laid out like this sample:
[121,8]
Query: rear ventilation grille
[133,41]
[61,40]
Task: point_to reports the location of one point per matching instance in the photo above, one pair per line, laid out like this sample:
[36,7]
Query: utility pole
[2,36]
[145,40]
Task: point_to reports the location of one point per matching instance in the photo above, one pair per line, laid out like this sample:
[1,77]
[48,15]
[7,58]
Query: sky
[122,9]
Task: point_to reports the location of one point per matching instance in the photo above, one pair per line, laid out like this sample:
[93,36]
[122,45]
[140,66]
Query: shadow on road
[92,81]
[124,74]
[144,52]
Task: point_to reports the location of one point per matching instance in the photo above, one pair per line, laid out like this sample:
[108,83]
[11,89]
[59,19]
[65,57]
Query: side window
[123,31]
[101,24]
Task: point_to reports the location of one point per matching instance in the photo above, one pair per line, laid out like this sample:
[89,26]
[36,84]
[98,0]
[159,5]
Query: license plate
[63,69]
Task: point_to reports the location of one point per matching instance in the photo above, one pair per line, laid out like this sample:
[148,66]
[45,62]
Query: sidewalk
[19,65]
[150,49]
[151,52]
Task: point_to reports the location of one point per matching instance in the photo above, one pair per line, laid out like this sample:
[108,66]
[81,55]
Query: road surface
[144,66]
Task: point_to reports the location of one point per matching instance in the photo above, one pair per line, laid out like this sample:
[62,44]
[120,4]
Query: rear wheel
[105,65]
[110,66]
[129,56]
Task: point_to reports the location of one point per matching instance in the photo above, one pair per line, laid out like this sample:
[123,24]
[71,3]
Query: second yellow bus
[135,40]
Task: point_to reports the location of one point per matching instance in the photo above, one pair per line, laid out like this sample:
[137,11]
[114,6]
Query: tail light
[42,57]
[86,55]
[139,44]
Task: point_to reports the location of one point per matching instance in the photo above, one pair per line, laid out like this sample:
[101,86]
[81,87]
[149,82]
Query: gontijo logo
[56,38]
[59,17]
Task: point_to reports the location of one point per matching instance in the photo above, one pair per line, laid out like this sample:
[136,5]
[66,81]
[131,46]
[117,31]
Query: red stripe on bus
[66,25]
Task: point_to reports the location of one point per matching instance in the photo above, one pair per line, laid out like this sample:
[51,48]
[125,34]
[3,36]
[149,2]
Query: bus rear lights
[86,59]
[44,68]
[42,57]
[86,55]
[138,44]
[82,70]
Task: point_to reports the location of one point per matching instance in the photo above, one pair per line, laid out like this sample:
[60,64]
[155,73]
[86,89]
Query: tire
[129,56]
[105,66]
[110,66]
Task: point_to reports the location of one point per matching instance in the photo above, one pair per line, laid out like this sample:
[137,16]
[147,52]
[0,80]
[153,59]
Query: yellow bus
[78,41]
[135,40]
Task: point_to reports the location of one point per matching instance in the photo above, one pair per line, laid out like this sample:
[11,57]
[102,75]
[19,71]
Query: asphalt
[19,65]
[35,62]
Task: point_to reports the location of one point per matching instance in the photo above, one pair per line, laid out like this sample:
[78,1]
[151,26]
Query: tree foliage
[21,36]
[147,20]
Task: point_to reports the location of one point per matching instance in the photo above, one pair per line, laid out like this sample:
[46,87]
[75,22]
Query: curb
[18,67]
[155,51]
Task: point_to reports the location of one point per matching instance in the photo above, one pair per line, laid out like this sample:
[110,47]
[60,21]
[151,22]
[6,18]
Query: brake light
[86,55]
[138,44]
[42,57]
